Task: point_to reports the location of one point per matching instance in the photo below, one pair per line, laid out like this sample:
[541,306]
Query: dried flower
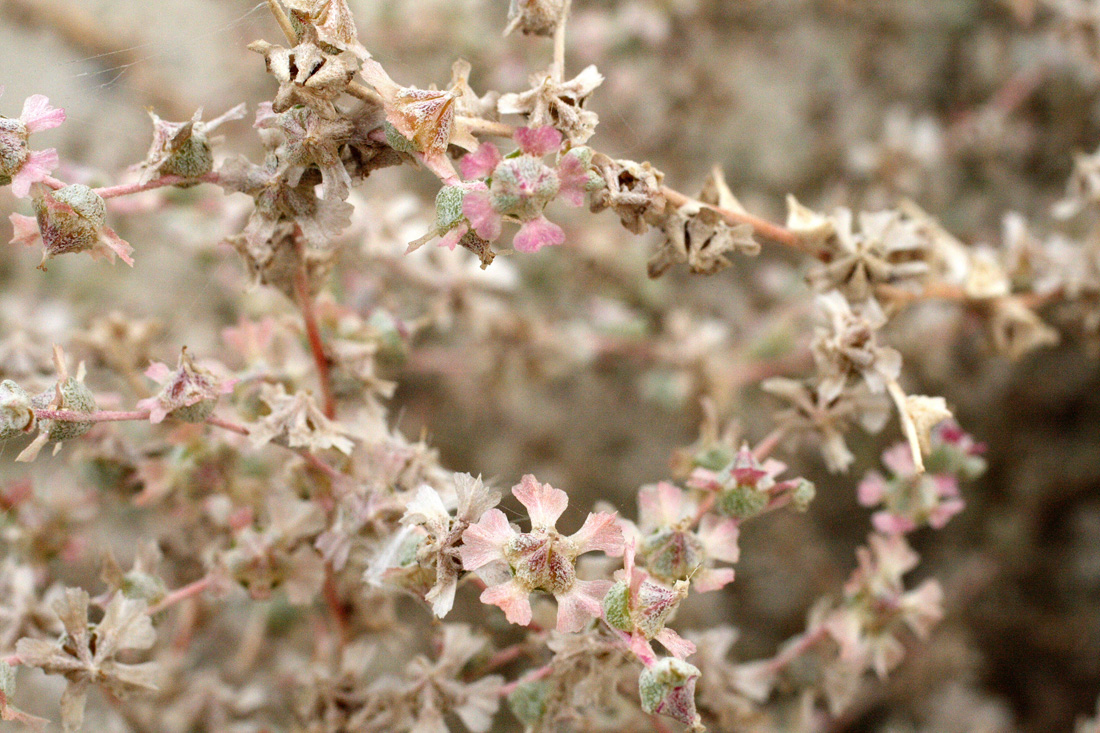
[183,148]
[542,559]
[698,236]
[70,219]
[296,421]
[846,345]
[827,419]
[190,391]
[86,654]
[887,249]
[535,17]
[557,103]
[443,533]
[307,74]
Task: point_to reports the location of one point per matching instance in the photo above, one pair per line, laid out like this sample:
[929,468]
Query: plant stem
[316,345]
[188,591]
[763,227]
[907,426]
[764,448]
[283,21]
[125,189]
[101,416]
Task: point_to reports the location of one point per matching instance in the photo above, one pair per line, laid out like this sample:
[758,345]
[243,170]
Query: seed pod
[76,397]
[668,688]
[16,415]
[13,148]
[535,17]
[70,219]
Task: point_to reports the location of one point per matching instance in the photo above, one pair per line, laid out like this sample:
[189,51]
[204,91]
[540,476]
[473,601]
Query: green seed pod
[16,415]
[742,502]
[803,494]
[616,607]
[75,396]
[668,688]
[397,141]
[197,412]
[69,219]
[191,155]
[13,148]
[528,701]
[448,207]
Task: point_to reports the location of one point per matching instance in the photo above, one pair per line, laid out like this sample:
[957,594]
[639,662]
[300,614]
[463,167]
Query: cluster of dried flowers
[350,515]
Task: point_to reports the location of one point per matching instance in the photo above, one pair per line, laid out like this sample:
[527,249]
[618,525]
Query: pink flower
[477,207]
[639,607]
[520,187]
[542,559]
[536,234]
[671,550]
[538,141]
[481,163]
[17,162]
[573,179]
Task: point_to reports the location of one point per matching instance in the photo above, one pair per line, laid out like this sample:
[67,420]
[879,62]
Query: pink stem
[13,660]
[316,345]
[227,425]
[188,591]
[102,416]
[124,189]
[768,444]
[538,674]
[797,649]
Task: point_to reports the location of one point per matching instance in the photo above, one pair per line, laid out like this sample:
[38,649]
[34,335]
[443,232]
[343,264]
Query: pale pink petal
[478,208]
[265,116]
[438,163]
[482,543]
[889,523]
[923,607]
[481,163]
[538,141]
[661,506]
[871,489]
[583,602]
[946,485]
[702,478]
[677,645]
[451,238]
[940,516]
[641,648]
[25,230]
[538,233]
[600,532]
[157,413]
[719,538]
[38,165]
[573,179]
[510,598]
[159,372]
[544,503]
[709,579]
[117,245]
[38,115]
[899,459]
